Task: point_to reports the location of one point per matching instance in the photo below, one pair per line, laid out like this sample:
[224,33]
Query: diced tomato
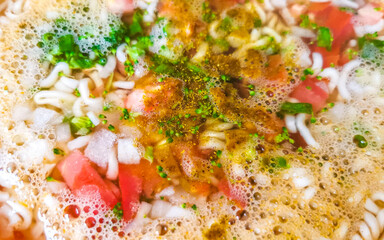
[275,70]
[330,58]
[339,22]
[147,172]
[312,91]
[135,180]
[114,188]
[131,188]
[318,7]
[225,188]
[83,179]
[224,4]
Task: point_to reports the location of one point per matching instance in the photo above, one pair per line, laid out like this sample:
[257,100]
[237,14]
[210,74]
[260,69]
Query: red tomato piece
[329,57]
[339,22]
[131,188]
[225,188]
[312,91]
[83,179]
[318,7]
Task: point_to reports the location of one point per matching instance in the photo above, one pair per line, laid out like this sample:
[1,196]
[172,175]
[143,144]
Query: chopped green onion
[58,151]
[324,38]
[294,108]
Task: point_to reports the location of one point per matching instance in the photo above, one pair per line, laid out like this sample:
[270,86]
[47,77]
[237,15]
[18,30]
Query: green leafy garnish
[294,108]
[50,179]
[58,151]
[149,154]
[284,136]
[226,25]
[370,46]
[81,126]
[324,38]
[208,15]
[135,27]
[118,211]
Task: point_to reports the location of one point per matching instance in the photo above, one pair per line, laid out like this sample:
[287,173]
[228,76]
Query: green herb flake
[219,153]
[324,38]
[184,205]
[149,154]
[194,207]
[294,108]
[284,136]
[111,128]
[81,126]
[50,179]
[308,71]
[163,175]
[58,151]
[118,211]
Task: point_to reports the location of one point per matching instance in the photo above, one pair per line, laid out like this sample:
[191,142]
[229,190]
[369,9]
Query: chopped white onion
[56,186]
[128,152]
[44,117]
[160,208]
[78,142]
[99,147]
[113,165]
[94,119]
[63,132]
[21,113]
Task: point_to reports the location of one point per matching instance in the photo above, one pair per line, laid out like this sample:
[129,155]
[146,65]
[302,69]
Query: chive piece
[125,114]
[111,128]
[58,151]
[294,108]
[163,175]
[219,153]
[194,207]
[184,205]
[159,168]
[308,71]
[50,179]
[81,126]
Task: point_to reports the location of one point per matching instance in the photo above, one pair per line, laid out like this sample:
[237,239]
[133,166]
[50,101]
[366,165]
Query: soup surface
[191,119]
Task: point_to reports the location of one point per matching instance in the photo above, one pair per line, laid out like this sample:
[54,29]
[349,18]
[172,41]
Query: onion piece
[127,152]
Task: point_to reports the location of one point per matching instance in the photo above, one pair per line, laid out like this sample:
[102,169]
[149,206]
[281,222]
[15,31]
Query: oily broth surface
[341,175]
